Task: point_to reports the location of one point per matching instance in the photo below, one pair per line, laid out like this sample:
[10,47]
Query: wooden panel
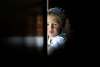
[39,26]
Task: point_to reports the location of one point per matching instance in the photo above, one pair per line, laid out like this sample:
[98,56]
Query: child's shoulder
[60,37]
[57,41]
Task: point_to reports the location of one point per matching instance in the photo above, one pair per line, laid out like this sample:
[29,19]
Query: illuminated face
[54,25]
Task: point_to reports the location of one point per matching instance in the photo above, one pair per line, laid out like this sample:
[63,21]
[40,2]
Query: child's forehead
[53,18]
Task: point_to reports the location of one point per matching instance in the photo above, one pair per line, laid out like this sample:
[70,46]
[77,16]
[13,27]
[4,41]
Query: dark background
[14,17]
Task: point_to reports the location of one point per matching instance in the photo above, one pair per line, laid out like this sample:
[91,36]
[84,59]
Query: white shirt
[56,42]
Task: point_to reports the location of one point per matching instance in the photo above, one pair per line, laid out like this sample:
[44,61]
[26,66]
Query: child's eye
[55,24]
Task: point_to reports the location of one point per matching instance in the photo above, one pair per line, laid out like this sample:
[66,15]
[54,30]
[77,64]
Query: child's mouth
[50,31]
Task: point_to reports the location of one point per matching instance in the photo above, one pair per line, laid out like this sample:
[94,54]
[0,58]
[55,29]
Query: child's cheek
[55,31]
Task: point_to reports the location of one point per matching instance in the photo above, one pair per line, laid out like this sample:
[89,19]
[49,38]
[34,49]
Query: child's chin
[52,35]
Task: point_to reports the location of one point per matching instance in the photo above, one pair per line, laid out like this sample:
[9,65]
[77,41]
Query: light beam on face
[54,25]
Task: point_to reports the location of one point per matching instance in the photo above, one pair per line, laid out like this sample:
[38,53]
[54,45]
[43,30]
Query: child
[55,22]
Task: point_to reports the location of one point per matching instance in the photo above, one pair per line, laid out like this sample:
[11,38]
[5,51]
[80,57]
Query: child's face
[54,26]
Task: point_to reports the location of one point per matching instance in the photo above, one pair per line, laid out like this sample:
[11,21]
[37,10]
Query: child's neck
[52,37]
